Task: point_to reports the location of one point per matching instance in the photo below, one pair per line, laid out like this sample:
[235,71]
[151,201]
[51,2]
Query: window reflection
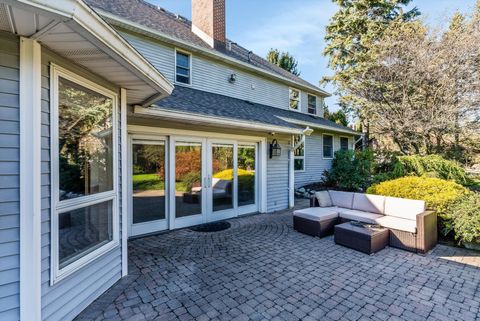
[85,141]
[246,175]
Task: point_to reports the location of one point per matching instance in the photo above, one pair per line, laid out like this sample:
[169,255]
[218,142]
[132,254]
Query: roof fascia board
[211,120]
[138,28]
[315,125]
[89,24]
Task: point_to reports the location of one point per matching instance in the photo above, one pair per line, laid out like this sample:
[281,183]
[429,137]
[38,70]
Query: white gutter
[76,13]
[136,27]
[315,125]
[212,120]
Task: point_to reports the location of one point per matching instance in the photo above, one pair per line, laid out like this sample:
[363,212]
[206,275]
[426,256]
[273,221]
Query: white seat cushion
[397,223]
[341,199]
[369,203]
[323,198]
[403,208]
[317,213]
[360,216]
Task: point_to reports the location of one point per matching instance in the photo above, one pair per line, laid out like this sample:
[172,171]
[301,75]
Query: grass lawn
[146,182]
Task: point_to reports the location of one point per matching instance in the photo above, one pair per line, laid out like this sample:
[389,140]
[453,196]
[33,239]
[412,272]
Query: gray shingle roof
[151,16]
[193,101]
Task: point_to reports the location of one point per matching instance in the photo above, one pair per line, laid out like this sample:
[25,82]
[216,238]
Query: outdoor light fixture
[232,79]
[307,131]
[275,149]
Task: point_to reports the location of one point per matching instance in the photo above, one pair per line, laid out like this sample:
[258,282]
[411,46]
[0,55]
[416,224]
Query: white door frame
[151,226]
[193,219]
[228,213]
[256,207]
[189,135]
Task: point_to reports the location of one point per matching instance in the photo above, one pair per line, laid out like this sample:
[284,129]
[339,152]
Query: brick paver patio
[262,269]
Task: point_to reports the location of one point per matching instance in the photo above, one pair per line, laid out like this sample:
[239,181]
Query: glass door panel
[246,175]
[148,187]
[188,179]
[223,173]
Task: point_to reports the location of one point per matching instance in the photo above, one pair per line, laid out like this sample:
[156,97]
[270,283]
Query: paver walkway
[262,269]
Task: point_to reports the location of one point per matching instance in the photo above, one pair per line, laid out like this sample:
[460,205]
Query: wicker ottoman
[361,237]
[315,221]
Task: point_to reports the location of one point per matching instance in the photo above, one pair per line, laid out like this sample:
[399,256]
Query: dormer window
[183,67]
[312,104]
[294,99]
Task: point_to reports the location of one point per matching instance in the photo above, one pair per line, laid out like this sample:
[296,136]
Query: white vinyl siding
[212,76]
[9,178]
[277,177]
[315,164]
[67,298]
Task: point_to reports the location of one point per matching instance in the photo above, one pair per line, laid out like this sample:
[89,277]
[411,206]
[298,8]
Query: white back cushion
[341,199]
[369,203]
[323,198]
[403,208]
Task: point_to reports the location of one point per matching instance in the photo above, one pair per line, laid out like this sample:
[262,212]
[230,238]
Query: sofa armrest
[314,202]
[427,234]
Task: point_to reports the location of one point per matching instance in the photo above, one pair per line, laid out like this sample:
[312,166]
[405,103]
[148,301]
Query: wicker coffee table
[361,237]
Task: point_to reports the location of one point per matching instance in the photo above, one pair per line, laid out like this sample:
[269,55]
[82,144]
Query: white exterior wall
[315,164]
[65,299]
[211,76]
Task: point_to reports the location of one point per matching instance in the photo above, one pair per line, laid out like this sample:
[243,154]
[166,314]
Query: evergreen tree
[284,60]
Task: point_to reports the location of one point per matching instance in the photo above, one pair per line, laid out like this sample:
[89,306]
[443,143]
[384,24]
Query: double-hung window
[312,104]
[299,152]
[84,165]
[327,146]
[182,67]
[294,99]
[343,143]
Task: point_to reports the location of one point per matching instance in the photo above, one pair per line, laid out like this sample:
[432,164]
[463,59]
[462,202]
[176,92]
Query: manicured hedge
[438,194]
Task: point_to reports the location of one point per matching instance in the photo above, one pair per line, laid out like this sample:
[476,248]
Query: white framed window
[327,146]
[299,152]
[312,104]
[84,158]
[294,95]
[183,67]
[344,143]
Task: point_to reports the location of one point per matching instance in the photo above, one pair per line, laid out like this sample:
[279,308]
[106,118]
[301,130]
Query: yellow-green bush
[438,194]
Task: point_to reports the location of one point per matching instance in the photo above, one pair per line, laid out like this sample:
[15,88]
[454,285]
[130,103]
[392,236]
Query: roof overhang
[155,34]
[166,114]
[73,30]
[319,126]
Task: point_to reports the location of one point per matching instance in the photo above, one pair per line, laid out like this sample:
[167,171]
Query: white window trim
[316,105]
[299,109]
[300,157]
[190,60]
[333,146]
[340,141]
[57,206]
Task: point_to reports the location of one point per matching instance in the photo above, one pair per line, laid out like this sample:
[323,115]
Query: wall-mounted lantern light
[232,79]
[275,149]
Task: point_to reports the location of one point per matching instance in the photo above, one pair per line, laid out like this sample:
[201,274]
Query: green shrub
[438,194]
[465,215]
[431,166]
[351,171]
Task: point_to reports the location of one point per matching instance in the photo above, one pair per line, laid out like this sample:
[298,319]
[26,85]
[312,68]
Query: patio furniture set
[369,223]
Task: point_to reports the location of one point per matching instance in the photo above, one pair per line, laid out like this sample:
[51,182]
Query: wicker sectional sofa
[410,226]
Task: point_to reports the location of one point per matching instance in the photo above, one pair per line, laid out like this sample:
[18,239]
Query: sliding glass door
[184,181]
[247,190]
[148,188]
[188,181]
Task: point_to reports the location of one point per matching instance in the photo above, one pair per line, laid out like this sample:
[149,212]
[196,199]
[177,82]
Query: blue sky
[261,25]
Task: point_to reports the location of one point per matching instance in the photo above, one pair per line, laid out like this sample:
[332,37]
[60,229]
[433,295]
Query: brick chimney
[208,21]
